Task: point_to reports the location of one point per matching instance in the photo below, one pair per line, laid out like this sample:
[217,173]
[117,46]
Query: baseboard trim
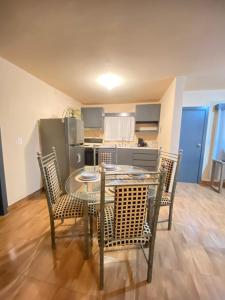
[205,182]
[31,196]
[208,183]
[34,194]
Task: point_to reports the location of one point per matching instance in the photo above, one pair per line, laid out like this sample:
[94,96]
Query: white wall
[24,99]
[170,117]
[207,98]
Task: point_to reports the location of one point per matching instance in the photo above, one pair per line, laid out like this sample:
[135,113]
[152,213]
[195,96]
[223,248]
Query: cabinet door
[146,159]
[93,117]
[148,113]
[124,156]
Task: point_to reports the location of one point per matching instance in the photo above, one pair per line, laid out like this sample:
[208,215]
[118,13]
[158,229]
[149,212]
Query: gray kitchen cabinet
[145,158]
[139,157]
[93,117]
[147,113]
[124,156]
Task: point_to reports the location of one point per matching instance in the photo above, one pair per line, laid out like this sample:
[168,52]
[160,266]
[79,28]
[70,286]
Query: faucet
[123,142]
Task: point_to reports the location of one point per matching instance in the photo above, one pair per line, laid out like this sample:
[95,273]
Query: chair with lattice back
[124,224]
[107,155]
[60,206]
[171,163]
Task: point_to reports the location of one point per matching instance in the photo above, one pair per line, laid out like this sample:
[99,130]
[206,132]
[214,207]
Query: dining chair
[170,162]
[60,206]
[124,224]
[107,156]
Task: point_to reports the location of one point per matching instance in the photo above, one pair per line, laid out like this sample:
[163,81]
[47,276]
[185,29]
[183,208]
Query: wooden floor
[189,260]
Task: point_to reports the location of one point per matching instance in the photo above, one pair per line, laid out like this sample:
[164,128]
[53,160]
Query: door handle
[198,145]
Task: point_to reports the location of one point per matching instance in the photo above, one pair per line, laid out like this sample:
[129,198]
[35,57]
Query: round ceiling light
[109,80]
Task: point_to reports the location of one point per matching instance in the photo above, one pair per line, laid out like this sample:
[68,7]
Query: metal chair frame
[171,178]
[159,183]
[114,149]
[220,166]
[44,161]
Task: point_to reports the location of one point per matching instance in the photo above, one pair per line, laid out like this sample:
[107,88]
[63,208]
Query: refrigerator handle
[78,158]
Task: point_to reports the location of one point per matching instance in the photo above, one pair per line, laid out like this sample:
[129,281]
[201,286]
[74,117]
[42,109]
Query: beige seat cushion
[166,199]
[67,206]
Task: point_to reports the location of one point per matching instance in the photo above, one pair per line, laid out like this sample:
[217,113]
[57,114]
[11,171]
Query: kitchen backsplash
[149,137]
[95,133]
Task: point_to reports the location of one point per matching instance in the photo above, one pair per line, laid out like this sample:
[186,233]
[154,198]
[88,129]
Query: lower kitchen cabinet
[143,158]
[125,156]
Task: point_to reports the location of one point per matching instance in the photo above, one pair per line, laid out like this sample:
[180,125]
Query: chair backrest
[170,162]
[130,204]
[130,211]
[50,174]
[107,156]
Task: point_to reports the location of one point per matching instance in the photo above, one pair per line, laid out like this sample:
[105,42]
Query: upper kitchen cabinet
[93,117]
[148,113]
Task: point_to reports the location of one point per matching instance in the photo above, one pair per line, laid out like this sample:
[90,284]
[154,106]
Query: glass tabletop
[90,189]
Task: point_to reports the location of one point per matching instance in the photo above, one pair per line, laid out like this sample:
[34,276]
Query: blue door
[192,142]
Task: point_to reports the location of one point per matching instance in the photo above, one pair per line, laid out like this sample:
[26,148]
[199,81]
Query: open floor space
[189,260]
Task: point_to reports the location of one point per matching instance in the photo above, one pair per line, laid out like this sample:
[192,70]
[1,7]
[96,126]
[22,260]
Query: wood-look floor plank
[189,260]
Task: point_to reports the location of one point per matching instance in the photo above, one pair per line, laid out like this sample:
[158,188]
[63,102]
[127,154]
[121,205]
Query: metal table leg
[91,229]
[86,231]
[150,212]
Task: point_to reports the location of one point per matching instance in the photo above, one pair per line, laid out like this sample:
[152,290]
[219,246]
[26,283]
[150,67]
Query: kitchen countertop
[98,145]
[91,145]
[129,147]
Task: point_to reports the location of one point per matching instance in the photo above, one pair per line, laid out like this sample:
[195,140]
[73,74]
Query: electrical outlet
[19,140]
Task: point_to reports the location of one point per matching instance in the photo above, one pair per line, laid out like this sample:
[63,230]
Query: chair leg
[52,225]
[91,229]
[221,179]
[86,230]
[101,267]
[150,263]
[170,217]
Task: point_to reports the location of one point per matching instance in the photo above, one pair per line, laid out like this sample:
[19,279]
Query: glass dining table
[89,191]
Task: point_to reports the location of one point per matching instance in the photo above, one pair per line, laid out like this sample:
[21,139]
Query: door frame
[205,126]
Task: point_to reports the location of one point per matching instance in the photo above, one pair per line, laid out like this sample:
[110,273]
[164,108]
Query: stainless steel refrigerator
[67,136]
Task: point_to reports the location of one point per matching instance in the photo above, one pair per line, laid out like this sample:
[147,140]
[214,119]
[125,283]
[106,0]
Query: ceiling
[70,43]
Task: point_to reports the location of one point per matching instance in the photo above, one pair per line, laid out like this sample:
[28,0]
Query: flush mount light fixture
[109,80]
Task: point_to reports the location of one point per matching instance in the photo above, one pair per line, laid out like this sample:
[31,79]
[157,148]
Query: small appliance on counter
[67,136]
[141,143]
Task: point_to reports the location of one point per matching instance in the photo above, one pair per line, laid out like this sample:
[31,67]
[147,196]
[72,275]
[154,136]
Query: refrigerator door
[52,133]
[76,157]
[74,131]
